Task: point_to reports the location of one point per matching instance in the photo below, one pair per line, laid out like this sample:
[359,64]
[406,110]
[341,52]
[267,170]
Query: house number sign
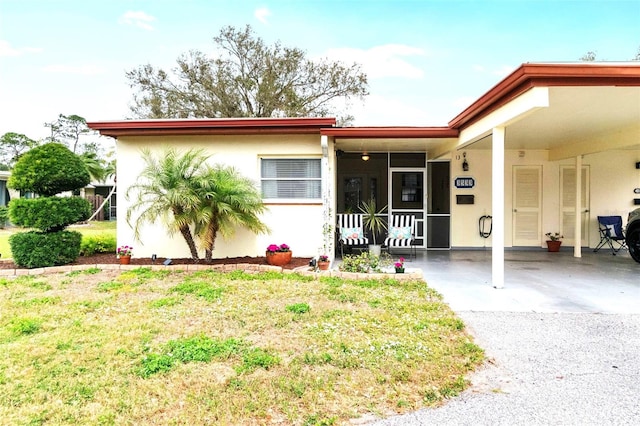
[465,182]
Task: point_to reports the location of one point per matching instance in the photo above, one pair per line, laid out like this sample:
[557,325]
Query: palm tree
[167,190]
[94,166]
[228,200]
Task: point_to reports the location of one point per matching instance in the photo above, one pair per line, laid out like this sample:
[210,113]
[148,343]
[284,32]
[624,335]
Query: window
[290,178]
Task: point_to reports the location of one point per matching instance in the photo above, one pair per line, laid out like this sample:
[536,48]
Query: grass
[146,347]
[91,229]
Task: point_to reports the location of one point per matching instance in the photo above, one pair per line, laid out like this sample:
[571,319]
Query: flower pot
[125,260]
[554,245]
[375,249]
[399,270]
[323,266]
[279,258]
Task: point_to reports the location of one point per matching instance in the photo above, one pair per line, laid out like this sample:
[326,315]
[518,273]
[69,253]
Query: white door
[527,196]
[568,204]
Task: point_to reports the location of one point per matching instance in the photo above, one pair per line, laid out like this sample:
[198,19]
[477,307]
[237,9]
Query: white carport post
[577,245]
[497,207]
[327,183]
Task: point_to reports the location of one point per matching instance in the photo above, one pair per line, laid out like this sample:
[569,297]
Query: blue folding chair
[611,233]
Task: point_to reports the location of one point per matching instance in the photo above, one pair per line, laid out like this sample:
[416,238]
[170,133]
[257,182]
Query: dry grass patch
[147,347]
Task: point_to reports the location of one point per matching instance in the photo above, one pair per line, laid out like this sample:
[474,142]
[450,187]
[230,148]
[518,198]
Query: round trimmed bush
[48,170]
[58,212]
[37,249]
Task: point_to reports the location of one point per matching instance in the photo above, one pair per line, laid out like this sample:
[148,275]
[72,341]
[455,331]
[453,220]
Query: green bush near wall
[101,243]
[35,249]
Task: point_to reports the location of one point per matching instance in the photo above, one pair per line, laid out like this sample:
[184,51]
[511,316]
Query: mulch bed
[106,258]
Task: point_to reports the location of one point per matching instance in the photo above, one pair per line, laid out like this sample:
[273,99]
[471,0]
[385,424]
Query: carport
[569,111]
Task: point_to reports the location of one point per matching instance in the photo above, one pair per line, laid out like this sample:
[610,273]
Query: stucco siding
[297,224]
[612,179]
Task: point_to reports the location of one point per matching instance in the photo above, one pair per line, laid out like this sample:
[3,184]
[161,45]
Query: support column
[497,207]
[327,183]
[577,245]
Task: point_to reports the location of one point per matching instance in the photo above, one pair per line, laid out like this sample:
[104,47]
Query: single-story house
[512,154]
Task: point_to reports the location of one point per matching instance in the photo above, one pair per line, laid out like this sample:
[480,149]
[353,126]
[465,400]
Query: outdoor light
[154,258]
[465,165]
[167,262]
[365,156]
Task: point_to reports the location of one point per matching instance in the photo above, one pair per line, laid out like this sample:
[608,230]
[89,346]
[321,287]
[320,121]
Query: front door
[527,196]
[407,195]
[568,204]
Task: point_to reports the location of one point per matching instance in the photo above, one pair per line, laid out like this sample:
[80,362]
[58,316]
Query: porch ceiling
[579,120]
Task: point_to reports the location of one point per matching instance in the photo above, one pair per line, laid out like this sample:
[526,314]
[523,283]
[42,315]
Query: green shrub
[60,212]
[36,249]
[365,262]
[99,243]
[48,170]
[4,216]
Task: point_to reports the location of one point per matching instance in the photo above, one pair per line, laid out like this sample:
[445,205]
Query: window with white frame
[291,178]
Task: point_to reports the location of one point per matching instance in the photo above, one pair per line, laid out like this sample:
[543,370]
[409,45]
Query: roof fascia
[547,75]
[224,126]
[390,132]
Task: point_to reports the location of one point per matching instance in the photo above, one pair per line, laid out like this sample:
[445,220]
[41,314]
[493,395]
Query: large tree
[247,79]
[68,129]
[12,146]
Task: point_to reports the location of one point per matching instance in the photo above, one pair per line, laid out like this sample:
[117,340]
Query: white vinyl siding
[291,178]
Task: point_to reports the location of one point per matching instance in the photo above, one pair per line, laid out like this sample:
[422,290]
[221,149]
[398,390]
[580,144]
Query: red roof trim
[547,75]
[390,132]
[215,126]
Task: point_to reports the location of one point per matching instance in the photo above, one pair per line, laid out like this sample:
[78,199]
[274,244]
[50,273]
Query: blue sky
[426,60]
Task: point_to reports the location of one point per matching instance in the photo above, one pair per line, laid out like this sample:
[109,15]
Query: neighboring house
[5,193]
[512,154]
[104,189]
[95,188]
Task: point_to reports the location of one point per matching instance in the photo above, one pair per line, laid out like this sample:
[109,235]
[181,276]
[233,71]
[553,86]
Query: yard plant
[171,347]
[47,171]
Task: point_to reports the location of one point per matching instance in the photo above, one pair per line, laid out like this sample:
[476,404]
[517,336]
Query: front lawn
[161,347]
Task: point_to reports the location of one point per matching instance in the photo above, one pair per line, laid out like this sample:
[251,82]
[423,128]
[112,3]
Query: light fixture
[154,258]
[365,156]
[465,165]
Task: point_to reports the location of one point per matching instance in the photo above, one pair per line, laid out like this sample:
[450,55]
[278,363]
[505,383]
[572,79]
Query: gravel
[547,369]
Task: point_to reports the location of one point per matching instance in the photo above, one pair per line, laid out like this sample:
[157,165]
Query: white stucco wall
[613,177]
[297,224]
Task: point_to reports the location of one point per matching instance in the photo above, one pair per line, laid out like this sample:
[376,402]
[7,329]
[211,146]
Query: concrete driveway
[562,338]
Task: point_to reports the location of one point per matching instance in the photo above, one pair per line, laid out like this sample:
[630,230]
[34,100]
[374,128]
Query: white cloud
[386,111]
[138,19]
[7,50]
[261,14]
[69,69]
[382,61]
[463,102]
[503,71]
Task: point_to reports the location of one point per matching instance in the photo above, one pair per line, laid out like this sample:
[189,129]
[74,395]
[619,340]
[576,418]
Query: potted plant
[278,255]
[372,220]
[399,265]
[124,254]
[554,241]
[323,262]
